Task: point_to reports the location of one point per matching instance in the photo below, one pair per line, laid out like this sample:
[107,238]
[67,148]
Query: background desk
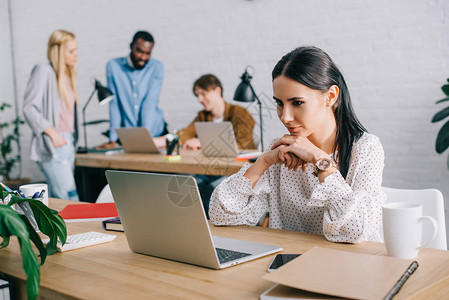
[112,271]
[90,167]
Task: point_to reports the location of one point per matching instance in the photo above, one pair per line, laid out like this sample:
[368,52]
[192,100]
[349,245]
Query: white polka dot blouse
[343,210]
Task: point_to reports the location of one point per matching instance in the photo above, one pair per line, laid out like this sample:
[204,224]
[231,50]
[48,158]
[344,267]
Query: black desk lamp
[104,96]
[245,93]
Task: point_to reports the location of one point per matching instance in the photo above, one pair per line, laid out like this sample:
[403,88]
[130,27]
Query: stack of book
[113,224]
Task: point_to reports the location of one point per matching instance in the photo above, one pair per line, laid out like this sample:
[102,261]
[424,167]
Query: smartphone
[280,260]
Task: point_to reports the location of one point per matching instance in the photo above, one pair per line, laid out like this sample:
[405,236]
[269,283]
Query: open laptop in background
[162,215]
[218,140]
[136,140]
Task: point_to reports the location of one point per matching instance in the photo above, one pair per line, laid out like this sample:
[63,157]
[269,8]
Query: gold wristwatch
[323,165]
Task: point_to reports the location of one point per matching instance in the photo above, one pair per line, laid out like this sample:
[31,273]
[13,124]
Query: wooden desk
[111,270]
[191,162]
[90,167]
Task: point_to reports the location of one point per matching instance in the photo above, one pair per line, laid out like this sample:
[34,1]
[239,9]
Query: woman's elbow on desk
[354,234]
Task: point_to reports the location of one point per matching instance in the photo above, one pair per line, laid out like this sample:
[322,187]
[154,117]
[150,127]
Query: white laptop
[163,216]
[136,140]
[218,140]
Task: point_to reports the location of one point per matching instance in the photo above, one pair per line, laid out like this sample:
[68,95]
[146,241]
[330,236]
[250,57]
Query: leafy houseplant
[14,223]
[8,142]
[442,142]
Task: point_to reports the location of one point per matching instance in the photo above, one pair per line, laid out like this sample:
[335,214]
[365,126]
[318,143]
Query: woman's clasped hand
[294,152]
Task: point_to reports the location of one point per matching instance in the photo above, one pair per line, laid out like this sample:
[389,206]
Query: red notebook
[88,212]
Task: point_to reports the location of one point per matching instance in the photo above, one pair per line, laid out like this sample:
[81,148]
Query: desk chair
[264,220]
[105,195]
[433,205]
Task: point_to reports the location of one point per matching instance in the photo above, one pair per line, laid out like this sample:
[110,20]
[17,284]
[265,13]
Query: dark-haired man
[136,82]
[209,91]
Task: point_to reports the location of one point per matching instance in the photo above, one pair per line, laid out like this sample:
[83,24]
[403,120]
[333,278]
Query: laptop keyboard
[225,255]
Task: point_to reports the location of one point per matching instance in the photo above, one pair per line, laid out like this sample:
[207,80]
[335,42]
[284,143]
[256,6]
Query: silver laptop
[136,140]
[162,215]
[218,140]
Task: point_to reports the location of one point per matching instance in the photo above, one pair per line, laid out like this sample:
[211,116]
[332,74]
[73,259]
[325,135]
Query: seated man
[209,91]
[136,82]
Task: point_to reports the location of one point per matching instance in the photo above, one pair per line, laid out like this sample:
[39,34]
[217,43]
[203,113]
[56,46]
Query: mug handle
[435,229]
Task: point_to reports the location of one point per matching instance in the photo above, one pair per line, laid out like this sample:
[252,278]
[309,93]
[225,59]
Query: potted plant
[10,147]
[12,223]
[442,142]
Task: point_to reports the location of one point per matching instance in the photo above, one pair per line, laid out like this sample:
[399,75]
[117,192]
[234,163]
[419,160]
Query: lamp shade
[244,93]
[104,94]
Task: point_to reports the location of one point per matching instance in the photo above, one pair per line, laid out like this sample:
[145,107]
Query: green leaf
[5,241]
[48,220]
[105,133]
[35,238]
[10,142]
[49,223]
[4,105]
[445,89]
[3,194]
[442,142]
[442,100]
[440,115]
[12,224]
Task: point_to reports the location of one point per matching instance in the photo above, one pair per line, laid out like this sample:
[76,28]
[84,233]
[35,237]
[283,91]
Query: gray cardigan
[41,108]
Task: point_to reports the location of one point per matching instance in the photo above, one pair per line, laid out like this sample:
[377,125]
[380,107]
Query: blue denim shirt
[136,95]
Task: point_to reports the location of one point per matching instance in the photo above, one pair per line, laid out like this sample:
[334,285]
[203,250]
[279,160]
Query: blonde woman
[49,108]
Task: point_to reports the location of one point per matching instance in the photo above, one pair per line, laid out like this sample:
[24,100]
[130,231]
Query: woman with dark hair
[325,176]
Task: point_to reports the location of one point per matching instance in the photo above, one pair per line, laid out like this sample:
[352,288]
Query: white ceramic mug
[30,189]
[402,226]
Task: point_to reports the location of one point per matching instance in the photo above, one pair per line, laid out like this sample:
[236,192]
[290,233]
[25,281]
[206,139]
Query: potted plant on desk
[13,223]
[442,142]
[10,148]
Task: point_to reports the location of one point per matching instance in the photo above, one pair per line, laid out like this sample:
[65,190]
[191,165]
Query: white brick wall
[6,74]
[394,55]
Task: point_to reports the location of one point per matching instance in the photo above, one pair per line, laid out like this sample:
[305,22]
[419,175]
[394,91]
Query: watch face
[324,164]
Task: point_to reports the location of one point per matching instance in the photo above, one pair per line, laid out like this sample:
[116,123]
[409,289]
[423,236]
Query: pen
[5,187]
[21,193]
[173,145]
